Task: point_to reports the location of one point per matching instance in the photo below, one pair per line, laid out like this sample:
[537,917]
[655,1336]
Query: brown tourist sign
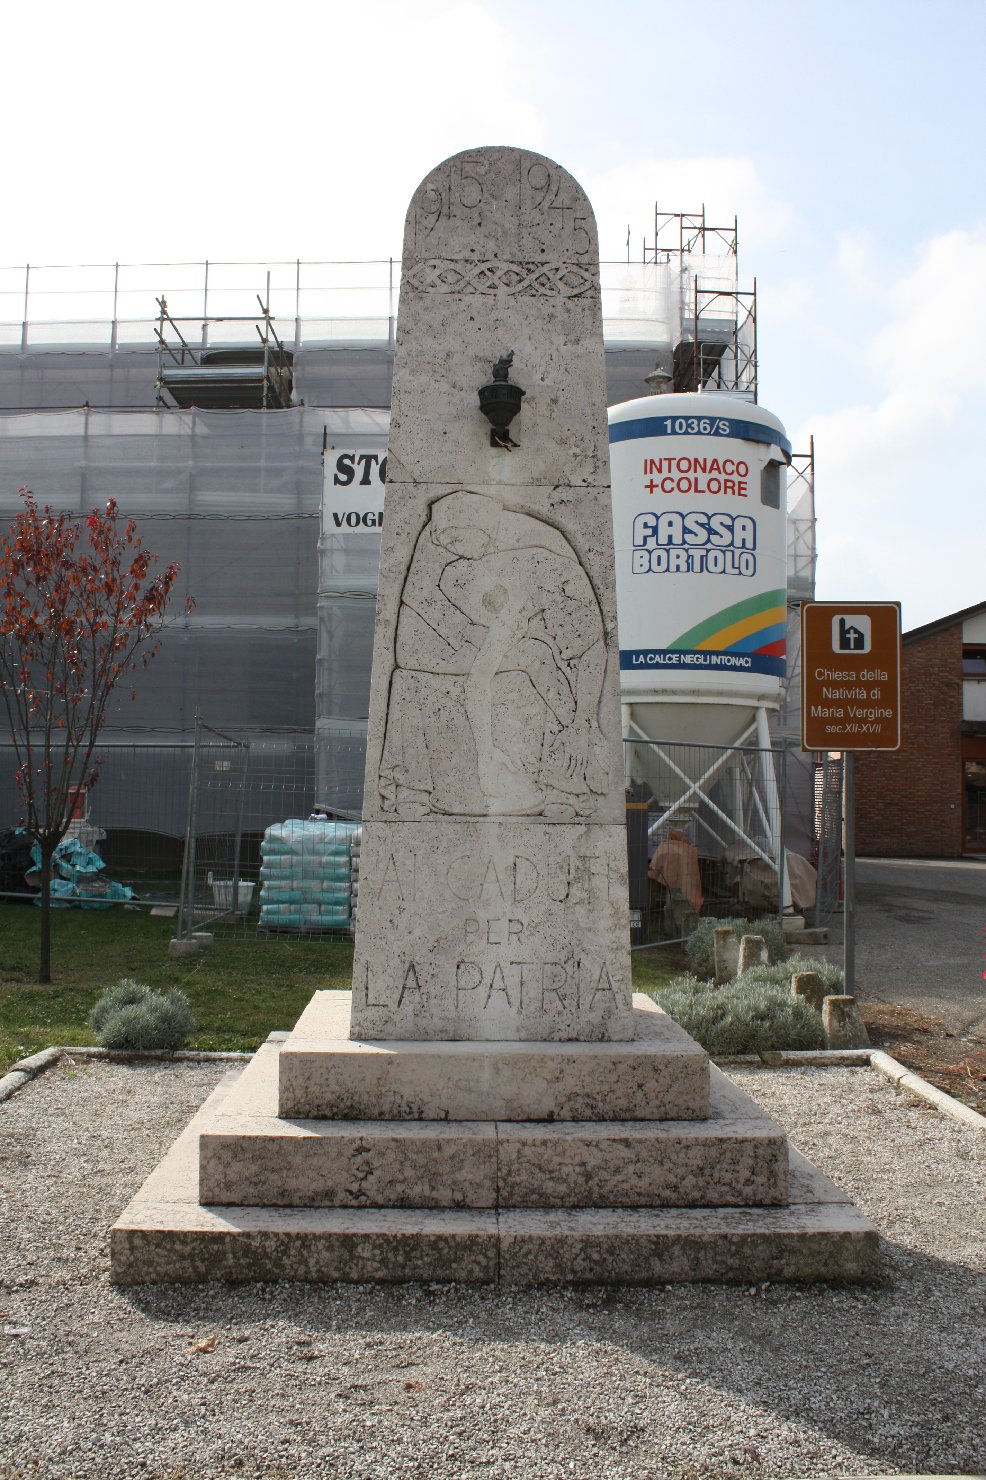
[850,675]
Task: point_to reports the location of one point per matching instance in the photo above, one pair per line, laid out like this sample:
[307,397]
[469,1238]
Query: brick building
[928,800]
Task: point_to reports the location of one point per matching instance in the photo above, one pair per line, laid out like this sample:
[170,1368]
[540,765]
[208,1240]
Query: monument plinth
[491,1103]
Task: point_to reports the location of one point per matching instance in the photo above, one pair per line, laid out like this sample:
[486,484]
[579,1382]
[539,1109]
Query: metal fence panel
[705,834]
[185,825]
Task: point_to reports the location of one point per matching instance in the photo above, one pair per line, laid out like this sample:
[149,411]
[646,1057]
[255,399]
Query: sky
[848,138]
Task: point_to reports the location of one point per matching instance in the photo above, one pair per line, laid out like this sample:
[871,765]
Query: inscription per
[492,932]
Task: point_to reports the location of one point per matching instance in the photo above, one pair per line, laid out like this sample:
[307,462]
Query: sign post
[849,889]
[850,701]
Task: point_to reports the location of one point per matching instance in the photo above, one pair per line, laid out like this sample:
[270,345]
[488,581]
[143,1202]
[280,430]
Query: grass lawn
[242,989]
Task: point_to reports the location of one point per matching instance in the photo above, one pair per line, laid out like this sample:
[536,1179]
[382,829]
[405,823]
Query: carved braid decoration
[518,279]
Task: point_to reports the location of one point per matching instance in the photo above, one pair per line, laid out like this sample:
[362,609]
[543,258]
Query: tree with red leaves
[80,613]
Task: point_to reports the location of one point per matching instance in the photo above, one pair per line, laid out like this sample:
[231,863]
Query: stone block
[726,954]
[661,1075]
[799,939]
[247,1156]
[181,946]
[752,952]
[809,985]
[721,1162]
[841,1023]
[459,560]
[485,265]
[191,1245]
[166,1236]
[654,1246]
[493,930]
[350,1164]
[493,897]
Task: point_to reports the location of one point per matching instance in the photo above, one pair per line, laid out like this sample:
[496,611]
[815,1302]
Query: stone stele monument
[491,1103]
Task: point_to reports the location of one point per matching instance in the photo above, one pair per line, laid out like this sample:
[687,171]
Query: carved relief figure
[500,656]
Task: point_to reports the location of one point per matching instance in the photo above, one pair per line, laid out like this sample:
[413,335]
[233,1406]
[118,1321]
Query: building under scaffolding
[239,413]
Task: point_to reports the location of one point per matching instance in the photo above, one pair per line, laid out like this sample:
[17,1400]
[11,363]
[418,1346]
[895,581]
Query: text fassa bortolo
[694,543]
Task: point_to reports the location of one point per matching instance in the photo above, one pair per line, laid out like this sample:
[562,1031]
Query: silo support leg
[773,808]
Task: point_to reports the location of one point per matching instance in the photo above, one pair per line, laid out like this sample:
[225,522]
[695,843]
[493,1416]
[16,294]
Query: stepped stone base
[248,1155]
[484,1201]
[661,1075]
[167,1236]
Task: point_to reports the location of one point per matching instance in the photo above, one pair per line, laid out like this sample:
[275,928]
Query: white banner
[353,489]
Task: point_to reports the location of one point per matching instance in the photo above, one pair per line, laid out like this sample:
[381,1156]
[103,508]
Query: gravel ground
[299,1381]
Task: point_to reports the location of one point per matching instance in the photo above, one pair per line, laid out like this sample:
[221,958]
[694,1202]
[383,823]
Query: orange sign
[850,675]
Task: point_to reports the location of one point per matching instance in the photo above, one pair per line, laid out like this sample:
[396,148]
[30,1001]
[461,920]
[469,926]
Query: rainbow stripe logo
[747,637]
[757,626]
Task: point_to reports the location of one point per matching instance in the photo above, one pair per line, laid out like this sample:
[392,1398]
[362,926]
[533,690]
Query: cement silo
[699,482]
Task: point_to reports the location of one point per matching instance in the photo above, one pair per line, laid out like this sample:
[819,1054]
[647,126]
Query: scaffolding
[110,306]
[223,379]
[101,398]
[801,560]
[714,333]
[801,552]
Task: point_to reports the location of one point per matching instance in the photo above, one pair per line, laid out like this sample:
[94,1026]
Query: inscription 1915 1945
[553,222]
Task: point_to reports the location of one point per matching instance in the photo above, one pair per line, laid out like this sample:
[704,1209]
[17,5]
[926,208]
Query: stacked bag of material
[306,875]
[354,853]
[76,878]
